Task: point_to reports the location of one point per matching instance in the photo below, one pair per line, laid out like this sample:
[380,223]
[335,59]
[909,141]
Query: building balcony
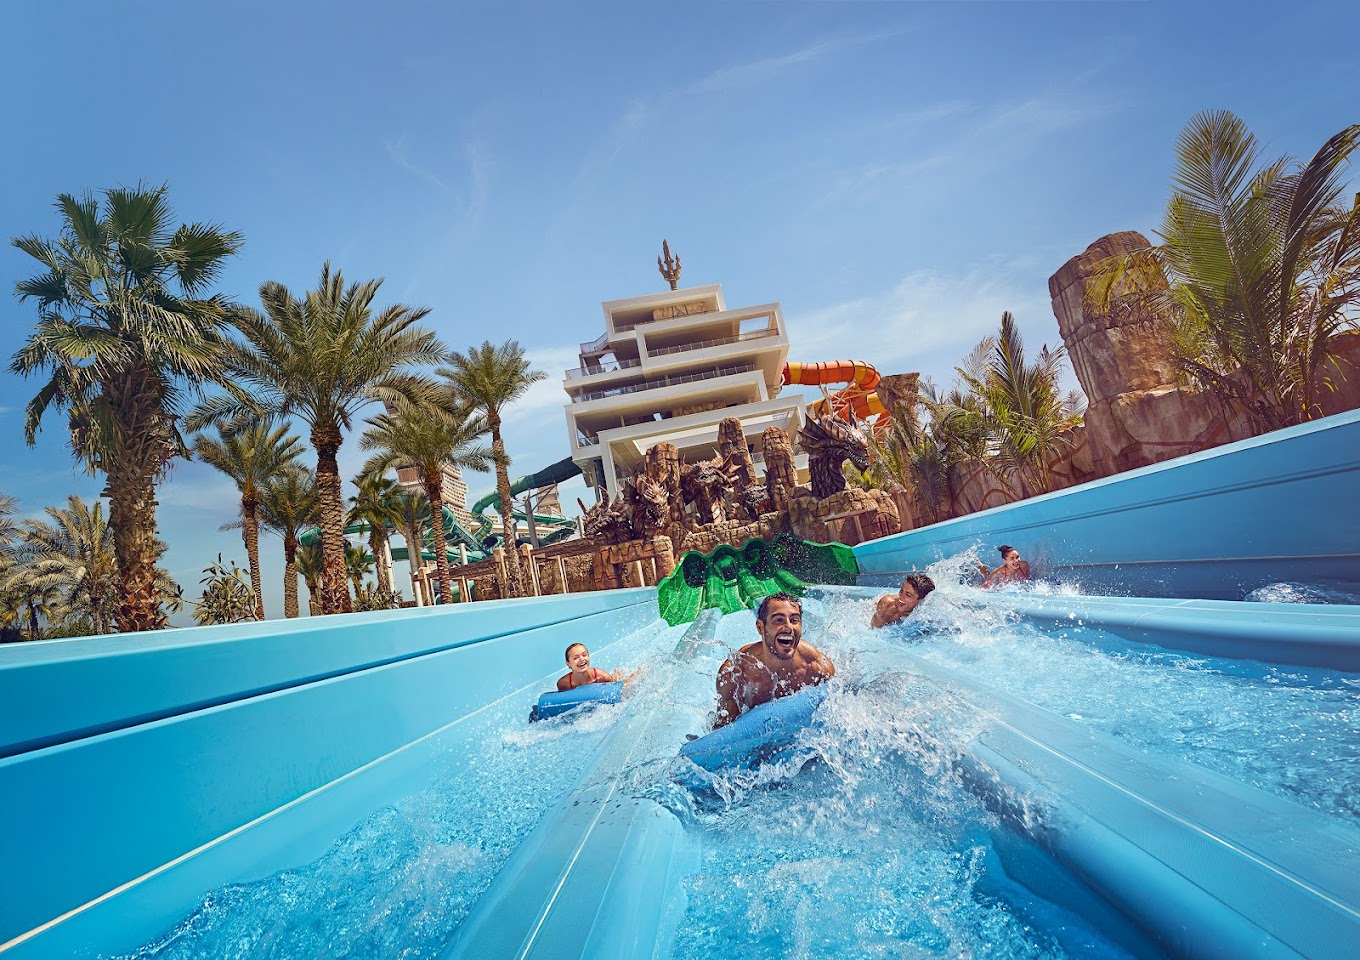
[609,366]
[657,383]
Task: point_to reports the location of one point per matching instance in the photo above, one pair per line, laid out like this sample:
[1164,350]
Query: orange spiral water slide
[858,399]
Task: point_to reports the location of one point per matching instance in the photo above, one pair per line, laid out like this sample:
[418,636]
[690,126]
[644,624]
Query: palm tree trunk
[290,576]
[414,549]
[507,510]
[250,533]
[132,514]
[377,541]
[433,491]
[34,631]
[333,579]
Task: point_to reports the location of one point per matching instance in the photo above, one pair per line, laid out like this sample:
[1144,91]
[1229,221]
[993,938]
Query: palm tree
[251,457]
[489,378]
[358,563]
[9,530]
[37,595]
[322,358]
[413,512]
[1028,418]
[429,438]
[1258,269]
[288,505]
[310,563]
[375,505]
[75,553]
[124,330]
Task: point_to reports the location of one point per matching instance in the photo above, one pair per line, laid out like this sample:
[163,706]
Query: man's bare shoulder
[814,659]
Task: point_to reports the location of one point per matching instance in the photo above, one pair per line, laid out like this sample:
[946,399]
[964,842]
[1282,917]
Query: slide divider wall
[1275,508]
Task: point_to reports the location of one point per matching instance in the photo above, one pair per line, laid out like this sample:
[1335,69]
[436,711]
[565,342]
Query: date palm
[413,514]
[374,504]
[429,437]
[489,378]
[125,331]
[251,456]
[74,550]
[9,528]
[289,505]
[322,358]
[1258,267]
[310,563]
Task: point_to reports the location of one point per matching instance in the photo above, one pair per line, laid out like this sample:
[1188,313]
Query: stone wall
[734,532]
[850,516]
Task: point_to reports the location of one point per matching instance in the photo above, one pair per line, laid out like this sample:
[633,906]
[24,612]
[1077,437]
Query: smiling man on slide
[779,664]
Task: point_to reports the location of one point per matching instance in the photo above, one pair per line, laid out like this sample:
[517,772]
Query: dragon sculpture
[706,485]
[829,442]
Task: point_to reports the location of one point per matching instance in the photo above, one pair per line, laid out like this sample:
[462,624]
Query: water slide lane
[222,755]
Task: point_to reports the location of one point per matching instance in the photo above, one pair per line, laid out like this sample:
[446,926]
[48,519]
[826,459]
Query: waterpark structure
[222,776]
[667,369]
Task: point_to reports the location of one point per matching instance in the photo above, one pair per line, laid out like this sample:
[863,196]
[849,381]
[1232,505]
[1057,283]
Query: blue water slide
[1214,525]
[139,773]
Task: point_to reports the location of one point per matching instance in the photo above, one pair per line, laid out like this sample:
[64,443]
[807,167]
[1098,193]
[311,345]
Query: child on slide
[582,673]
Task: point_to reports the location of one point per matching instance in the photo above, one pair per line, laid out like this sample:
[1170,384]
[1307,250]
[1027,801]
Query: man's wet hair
[567,655]
[920,583]
[764,607]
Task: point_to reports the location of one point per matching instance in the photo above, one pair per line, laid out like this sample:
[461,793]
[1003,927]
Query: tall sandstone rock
[1136,415]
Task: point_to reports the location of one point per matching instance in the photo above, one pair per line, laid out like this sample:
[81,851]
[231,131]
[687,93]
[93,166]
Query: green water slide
[736,578]
[454,534]
[559,527]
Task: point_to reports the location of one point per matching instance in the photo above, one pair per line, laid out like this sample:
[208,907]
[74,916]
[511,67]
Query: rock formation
[898,392]
[732,448]
[1136,414]
[662,465]
[781,472]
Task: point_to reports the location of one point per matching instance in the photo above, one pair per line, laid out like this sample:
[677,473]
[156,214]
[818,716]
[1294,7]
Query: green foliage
[125,334]
[74,552]
[1018,406]
[371,597]
[321,358]
[227,596]
[489,378]
[1004,414]
[1258,268]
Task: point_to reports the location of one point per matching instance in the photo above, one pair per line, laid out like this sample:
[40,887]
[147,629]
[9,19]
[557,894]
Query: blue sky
[895,174]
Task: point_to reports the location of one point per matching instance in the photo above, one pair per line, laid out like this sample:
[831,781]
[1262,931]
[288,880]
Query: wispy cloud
[470,198]
[727,78]
[983,139]
[640,114]
[926,322]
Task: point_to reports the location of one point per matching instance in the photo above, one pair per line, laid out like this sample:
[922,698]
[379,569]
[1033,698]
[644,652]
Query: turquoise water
[1292,731]
[862,842]
[401,883]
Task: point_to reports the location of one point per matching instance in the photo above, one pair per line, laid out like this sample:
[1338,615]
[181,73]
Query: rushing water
[400,883]
[863,841]
[1293,731]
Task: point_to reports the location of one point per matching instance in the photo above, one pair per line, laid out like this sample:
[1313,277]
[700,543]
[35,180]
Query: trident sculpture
[670,267]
